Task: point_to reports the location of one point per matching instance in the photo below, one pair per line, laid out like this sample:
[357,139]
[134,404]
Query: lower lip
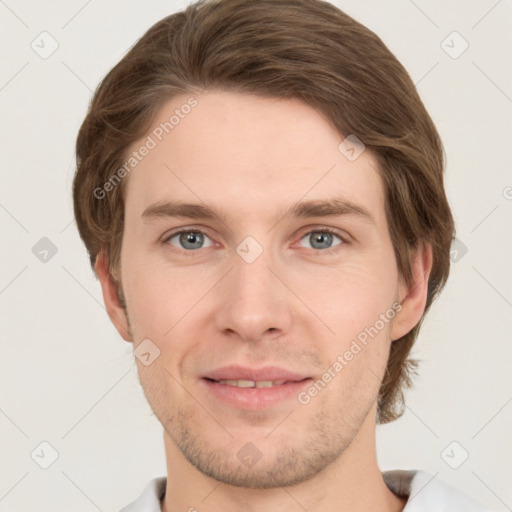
[255,398]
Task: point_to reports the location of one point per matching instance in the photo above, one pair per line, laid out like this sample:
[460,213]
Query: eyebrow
[305,209]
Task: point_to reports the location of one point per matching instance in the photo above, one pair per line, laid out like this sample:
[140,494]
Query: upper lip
[266,373]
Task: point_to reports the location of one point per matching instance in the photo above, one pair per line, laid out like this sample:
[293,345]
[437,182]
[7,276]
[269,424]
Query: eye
[189,239]
[193,239]
[321,239]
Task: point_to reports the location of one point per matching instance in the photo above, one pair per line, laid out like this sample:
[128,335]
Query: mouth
[253,389]
[251,383]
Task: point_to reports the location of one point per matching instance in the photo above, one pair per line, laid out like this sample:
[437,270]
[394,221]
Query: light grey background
[68,379]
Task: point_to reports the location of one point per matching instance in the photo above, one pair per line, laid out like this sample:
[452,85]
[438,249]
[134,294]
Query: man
[260,190]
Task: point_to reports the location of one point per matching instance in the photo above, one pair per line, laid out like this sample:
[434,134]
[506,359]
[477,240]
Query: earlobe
[413,297]
[113,305]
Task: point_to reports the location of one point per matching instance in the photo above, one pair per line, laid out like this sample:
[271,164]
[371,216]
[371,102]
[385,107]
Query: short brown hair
[305,49]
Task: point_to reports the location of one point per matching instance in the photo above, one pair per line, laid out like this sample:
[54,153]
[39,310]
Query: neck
[352,483]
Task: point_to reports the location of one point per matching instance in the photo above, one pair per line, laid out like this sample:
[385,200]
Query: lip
[254,398]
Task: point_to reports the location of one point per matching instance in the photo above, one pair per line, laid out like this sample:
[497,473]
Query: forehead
[247,154]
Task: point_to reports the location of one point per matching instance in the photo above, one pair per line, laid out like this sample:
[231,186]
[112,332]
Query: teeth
[245,383]
[264,384]
[251,383]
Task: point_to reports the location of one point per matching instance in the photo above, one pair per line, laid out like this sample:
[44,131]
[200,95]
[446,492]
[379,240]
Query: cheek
[353,296]
[158,297]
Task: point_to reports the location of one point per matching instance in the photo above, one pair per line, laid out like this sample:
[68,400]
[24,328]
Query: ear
[112,303]
[414,296]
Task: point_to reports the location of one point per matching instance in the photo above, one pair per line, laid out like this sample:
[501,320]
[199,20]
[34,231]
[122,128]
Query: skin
[295,306]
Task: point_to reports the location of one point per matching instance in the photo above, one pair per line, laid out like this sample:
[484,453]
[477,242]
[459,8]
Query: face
[271,301]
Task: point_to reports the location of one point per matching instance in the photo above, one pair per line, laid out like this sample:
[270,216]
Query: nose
[253,301]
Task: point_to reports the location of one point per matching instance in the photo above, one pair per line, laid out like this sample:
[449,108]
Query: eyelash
[330,250]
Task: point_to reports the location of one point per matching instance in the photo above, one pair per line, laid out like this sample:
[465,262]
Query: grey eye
[320,239]
[190,240]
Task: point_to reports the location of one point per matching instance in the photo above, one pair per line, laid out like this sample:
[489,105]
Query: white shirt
[424,492]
